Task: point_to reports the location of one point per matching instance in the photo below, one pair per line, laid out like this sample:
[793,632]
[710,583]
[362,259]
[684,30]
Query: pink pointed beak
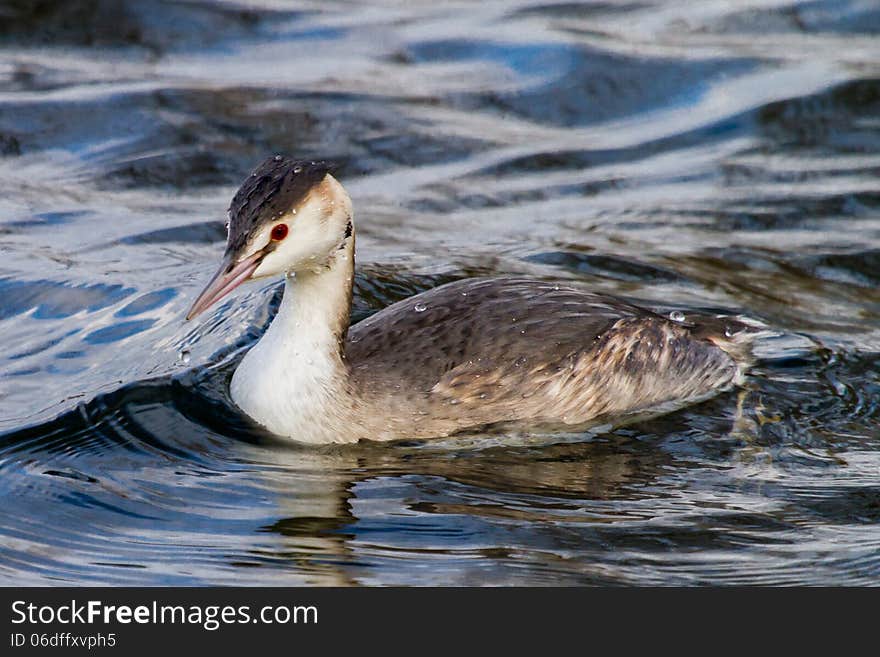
[228,277]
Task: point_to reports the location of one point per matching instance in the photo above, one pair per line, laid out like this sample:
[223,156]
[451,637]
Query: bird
[471,355]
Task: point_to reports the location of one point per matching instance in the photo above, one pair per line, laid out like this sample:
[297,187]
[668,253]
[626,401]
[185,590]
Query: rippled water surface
[720,155]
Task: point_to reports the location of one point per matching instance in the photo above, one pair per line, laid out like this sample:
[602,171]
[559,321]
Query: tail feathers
[734,334]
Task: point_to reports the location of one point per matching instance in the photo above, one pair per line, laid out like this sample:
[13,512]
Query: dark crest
[277,185]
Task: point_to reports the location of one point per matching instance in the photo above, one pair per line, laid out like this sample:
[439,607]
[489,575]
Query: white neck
[294,380]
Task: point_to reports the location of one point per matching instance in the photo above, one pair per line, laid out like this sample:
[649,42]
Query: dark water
[716,154]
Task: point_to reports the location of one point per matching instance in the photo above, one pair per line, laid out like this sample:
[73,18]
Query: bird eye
[279,232]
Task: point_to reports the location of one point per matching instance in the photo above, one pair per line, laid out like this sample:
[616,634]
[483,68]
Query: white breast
[292,381]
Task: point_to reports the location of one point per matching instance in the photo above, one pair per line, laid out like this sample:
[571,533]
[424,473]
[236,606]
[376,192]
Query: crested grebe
[461,356]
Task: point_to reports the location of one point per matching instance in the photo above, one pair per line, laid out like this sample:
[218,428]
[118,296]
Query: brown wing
[499,320]
[509,349]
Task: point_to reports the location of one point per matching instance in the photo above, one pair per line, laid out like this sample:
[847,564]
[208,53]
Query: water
[711,155]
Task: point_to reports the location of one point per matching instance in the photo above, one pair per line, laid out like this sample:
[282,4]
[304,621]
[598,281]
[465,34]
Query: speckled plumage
[528,352]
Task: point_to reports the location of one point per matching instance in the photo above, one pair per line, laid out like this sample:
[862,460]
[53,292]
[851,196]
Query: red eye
[279,232]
